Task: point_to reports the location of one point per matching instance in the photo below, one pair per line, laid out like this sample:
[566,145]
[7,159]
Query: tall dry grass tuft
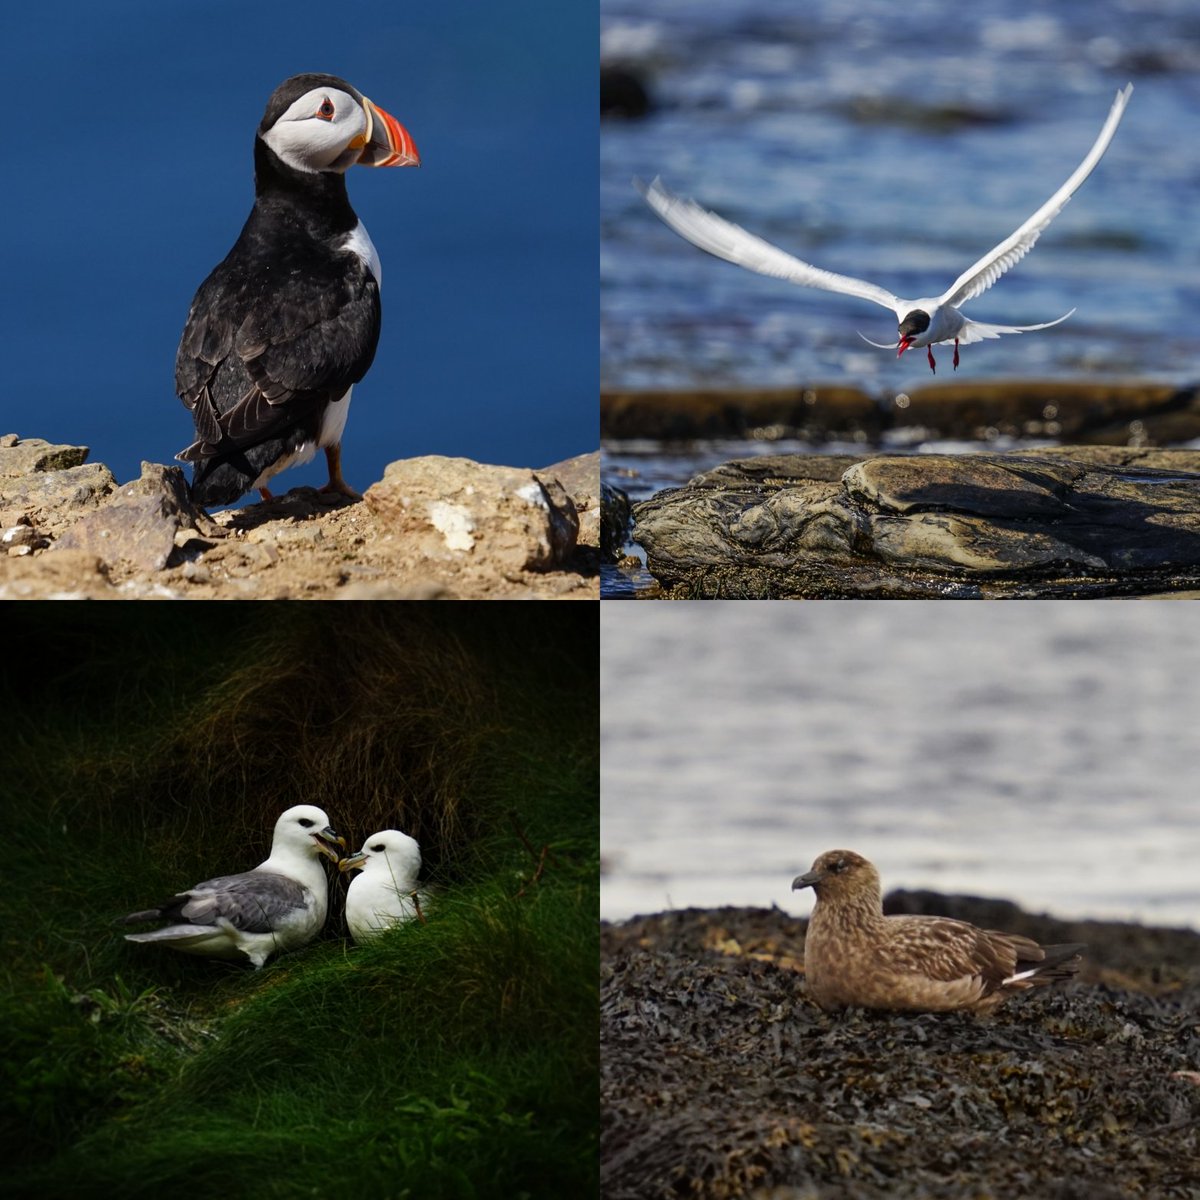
[382,719]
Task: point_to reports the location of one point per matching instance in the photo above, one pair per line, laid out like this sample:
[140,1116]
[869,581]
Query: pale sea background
[1040,752]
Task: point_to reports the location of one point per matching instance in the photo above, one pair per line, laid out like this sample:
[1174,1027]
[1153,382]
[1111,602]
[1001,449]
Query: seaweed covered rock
[719,1078]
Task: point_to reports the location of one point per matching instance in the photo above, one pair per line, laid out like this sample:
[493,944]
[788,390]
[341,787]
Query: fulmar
[279,905]
[855,957]
[386,892]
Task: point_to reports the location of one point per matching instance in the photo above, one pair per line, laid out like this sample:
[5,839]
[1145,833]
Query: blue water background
[754,121]
[1041,752]
[128,172]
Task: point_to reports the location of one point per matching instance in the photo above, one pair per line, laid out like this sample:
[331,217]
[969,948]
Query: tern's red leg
[956,354]
[932,364]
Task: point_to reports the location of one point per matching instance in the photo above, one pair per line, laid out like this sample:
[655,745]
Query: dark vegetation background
[146,750]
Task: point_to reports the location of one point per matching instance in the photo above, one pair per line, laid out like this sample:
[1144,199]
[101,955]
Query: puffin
[285,326]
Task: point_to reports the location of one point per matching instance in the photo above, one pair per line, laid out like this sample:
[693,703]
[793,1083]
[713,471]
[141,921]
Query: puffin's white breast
[358,241]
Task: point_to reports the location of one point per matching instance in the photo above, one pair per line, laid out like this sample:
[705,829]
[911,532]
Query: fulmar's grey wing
[731,242]
[980,276]
[253,901]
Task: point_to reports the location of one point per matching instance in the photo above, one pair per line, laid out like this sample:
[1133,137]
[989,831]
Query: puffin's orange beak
[386,142]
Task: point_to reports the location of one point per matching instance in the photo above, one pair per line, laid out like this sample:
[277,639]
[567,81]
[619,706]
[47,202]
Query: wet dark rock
[1067,523]
[719,1078]
[614,523]
[1108,413]
[623,93]
[1082,411]
[813,412]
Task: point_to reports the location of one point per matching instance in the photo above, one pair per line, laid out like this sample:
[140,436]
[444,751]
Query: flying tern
[922,322]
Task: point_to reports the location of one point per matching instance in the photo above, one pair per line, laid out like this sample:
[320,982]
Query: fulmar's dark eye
[306,822]
[381,846]
[325,112]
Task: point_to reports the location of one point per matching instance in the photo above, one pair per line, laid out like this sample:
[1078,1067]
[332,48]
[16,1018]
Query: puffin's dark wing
[260,354]
[254,901]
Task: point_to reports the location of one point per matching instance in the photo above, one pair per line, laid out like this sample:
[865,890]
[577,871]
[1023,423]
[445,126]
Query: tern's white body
[922,322]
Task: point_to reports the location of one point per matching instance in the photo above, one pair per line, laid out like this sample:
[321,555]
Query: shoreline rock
[719,1078]
[432,528]
[1073,521]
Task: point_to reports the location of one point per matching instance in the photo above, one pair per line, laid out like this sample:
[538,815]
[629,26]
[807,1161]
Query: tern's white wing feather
[732,243]
[877,345]
[976,331]
[981,275]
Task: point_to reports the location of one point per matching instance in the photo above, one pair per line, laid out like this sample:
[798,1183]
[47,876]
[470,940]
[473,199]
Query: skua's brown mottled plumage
[855,957]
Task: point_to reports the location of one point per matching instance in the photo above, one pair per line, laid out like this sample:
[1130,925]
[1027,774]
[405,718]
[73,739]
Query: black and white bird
[386,892]
[922,322]
[287,324]
[280,905]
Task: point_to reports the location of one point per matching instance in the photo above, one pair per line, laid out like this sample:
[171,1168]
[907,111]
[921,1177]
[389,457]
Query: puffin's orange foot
[333,456]
[265,493]
[342,487]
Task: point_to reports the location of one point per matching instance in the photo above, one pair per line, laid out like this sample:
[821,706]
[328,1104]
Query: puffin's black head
[913,325]
[317,122]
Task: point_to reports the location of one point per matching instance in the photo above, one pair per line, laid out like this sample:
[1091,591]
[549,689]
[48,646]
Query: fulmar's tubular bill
[385,894]
[855,957]
[279,905]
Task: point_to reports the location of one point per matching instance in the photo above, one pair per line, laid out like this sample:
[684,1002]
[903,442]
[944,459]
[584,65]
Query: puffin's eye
[325,112]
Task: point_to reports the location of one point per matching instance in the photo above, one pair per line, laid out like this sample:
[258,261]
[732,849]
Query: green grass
[456,1058]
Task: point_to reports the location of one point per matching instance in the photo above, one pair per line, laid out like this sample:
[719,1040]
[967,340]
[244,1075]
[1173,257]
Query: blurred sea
[1040,752]
[899,145]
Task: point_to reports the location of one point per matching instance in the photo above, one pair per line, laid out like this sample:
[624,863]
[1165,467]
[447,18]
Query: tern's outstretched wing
[981,275]
[976,331]
[877,345]
[732,243]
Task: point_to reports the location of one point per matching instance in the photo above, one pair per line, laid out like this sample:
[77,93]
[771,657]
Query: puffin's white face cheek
[314,133]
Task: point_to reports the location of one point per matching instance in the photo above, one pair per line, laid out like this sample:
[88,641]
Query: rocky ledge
[431,528]
[1071,521]
[720,1078]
